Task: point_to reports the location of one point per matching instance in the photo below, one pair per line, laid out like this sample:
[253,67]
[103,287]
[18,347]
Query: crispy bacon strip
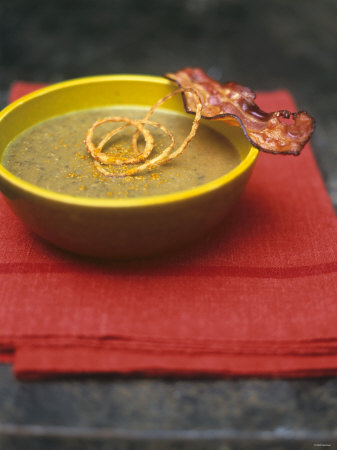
[235,105]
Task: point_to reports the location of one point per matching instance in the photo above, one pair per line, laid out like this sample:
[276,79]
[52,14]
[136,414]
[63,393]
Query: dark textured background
[262,44]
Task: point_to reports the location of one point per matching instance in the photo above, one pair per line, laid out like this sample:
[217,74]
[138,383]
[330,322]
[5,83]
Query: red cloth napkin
[257,296]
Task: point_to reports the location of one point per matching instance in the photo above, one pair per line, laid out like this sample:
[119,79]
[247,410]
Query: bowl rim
[113,202]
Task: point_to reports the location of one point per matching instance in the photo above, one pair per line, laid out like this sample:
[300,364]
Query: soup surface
[52,155]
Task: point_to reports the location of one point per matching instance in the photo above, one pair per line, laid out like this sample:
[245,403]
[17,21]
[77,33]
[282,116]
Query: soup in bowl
[52,184]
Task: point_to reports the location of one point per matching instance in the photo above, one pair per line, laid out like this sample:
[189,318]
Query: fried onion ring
[96,152]
[141,157]
[102,159]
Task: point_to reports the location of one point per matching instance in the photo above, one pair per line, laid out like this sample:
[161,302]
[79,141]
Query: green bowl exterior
[117,229]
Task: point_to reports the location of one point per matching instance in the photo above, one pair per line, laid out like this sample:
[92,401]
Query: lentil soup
[52,155]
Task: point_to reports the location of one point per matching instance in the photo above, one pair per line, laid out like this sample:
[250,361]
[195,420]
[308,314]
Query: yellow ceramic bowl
[116,228]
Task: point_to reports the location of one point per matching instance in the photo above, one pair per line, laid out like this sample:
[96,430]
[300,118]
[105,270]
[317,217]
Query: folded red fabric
[255,297]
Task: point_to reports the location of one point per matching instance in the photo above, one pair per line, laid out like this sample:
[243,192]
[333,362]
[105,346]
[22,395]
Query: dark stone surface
[138,413]
[262,44]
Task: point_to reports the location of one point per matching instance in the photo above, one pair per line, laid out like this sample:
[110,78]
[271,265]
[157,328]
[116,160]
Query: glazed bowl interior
[27,199]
